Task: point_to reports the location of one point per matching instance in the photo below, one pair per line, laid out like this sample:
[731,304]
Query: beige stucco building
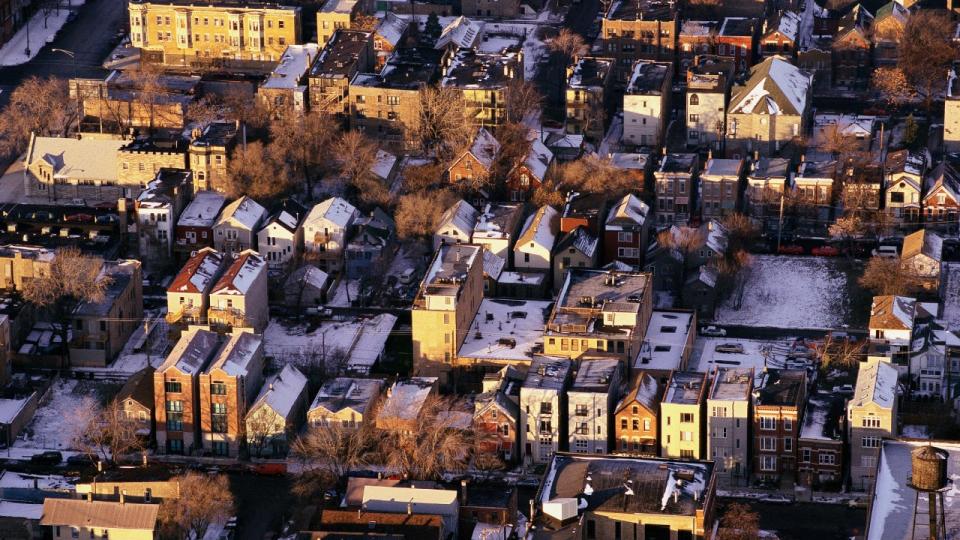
[682,416]
[728,424]
[871,417]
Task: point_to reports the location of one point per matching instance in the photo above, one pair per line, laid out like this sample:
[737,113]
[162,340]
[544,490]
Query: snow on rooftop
[10,408]
[406,397]
[541,228]
[757,354]
[293,65]
[203,210]
[236,354]
[951,296]
[629,208]
[192,351]
[281,391]
[789,24]
[241,275]
[506,330]
[774,85]
[460,33]
[665,340]
[461,215]
[79,159]
[788,292]
[539,158]
[391,28]
[244,211]
[485,148]
[50,482]
[362,340]
[11,509]
[335,210]
[876,384]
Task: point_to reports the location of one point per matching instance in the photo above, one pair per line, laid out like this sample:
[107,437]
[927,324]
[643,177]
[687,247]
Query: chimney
[710,154]
[463,492]
[664,150]
[144,460]
[532,509]
[756,155]
[99,466]
[90,496]
[409,508]
[123,496]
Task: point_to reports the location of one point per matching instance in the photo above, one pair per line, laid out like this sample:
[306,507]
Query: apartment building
[770,110]
[626,231]
[348,53]
[236,227]
[720,185]
[188,296]
[682,416]
[227,388]
[646,103]
[194,229]
[778,406]
[285,90]
[820,456]
[591,405]
[141,159]
[176,391]
[325,232]
[444,307]
[181,33]
[871,417]
[735,41]
[642,30]
[588,92]
[239,298]
[600,314]
[336,15]
[209,154]
[385,104]
[708,91]
[483,79]
[101,329]
[768,181]
[157,209]
[677,180]
[543,408]
[345,401]
[637,418]
[728,424]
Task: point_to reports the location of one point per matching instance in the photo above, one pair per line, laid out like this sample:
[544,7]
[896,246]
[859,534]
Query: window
[686,436]
[218,418]
[174,415]
[788,424]
[896,197]
[582,410]
[636,424]
[787,444]
[175,446]
[694,99]
[74,532]
[719,412]
[220,448]
[827,459]
[805,455]
[870,442]
[624,237]
[218,388]
[694,118]
[623,423]
[871,422]
[768,423]
[646,424]
[172,386]
[546,407]
[686,454]
[768,444]
[768,463]
[686,418]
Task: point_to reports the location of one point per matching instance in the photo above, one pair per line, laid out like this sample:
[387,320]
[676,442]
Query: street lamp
[73,56]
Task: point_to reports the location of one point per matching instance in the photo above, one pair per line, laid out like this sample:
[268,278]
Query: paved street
[89,36]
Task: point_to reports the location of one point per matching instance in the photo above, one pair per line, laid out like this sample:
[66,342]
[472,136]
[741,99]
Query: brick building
[636,419]
[777,412]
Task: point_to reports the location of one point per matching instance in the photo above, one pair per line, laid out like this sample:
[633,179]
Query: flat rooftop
[635,10]
[470,69]
[732,384]
[589,72]
[665,340]
[678,163]
[547,373]
[450,266]
[595,376]
[341,54]
[684,388]
[781,387]
[648,77]
[506,329]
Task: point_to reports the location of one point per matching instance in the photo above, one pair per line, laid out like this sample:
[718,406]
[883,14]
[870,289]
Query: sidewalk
[13,52]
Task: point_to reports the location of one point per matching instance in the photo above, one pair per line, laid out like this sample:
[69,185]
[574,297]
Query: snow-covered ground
[139,350]
[757,354]
[36,34]
[346,291]
[789,292]
[55,423]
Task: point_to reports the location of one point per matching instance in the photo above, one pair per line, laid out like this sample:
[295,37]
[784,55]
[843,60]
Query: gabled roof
[139,387]
[342,393]
[192,352]
[877,384]
[904,161]
[646,392]
[775,87]
[787,24]
[461,215]
[335,210]
[629,211]
[497,399]
[461,33]
[241,274]
[203,210]
[281,391]
[485,148]
[539,158]
[944,176]
[579,239]
[492,265]
[244,211]
[391,28]
[198,273]
[99,514]
[541,228]
[895,10]
[893,312]
[289,215]
[923,241]
[236,354]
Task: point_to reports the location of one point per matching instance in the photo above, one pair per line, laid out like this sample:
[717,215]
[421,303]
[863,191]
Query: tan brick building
[449,297]
[140,160]
[335,15]
[209,154]
[643,30]
[121,102]
[101,329]
[181,33]
[483,79]
[20,264]
[227,389]
[587,96]
[70,168]
[383,105]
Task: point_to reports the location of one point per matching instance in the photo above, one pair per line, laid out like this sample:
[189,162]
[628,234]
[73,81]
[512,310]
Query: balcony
[231,317]
[187,314]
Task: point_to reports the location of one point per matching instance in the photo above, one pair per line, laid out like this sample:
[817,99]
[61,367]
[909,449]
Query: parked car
[49,458]
[729,348]
[791,250]
[81,460]
[889,252]
[270,469]
[713,331]
[825,251]
[408,275]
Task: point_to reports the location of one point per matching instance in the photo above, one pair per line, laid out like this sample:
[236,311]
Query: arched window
[694,99]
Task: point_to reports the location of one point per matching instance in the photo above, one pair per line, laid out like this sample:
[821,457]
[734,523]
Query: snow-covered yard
[38,34]
[789,292]
[53,426]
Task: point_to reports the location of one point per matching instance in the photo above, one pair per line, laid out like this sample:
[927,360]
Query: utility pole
[780,224]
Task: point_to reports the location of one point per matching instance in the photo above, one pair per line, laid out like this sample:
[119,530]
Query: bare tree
[40,106]
[433,445]
[205,110]
[418,214]
[568,44]
[421,177]
[684,241]
[304,142]
[892,84]
[927,50]
[73,278]
[885,276]
[739,522]
[253,170]
[835,142]
[847,229]
[592,174]
[204,500]
[329,451]
[841,353]
[741,232]
[442,126]
[108,433]
[357,154]
[522,98]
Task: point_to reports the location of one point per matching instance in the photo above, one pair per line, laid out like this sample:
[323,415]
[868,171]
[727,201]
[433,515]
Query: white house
[158,207]
[592,401]
[280,238]
[543,406]
[456,224]
[646,102]
[239,298]
[325,232]
[235,229]
[535,243]
[188,296]
[278,411]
